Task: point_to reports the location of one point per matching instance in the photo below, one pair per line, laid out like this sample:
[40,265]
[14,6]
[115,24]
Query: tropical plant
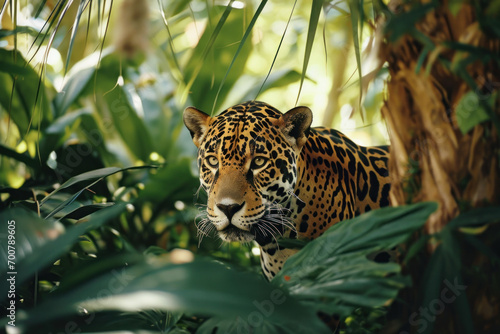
[99,190]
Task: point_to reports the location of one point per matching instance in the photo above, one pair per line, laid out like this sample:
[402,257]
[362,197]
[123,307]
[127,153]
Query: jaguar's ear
[295,125]
[197,123]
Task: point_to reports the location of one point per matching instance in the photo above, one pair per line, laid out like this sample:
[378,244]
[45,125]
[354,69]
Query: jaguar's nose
[230,209]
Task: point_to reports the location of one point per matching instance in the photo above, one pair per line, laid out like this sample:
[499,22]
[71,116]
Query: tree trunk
[434,96]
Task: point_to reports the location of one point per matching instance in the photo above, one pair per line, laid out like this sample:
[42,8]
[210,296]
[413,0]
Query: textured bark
[431,159]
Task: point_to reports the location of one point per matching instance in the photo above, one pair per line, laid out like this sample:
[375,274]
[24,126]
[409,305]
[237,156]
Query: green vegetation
[98,181]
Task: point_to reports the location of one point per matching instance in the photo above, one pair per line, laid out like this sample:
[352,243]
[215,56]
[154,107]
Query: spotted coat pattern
[269,174]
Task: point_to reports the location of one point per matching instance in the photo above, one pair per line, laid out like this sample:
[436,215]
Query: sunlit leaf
[248,31]
[356,23]
[204,47]
[81,8]
[316,7]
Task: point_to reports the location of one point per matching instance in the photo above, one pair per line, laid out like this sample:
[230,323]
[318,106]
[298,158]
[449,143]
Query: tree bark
[432,159]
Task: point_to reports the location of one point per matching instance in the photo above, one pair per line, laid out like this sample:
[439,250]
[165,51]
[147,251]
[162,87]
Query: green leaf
[471,112]
[86,210]
[316,7]
[18,30]
[404,23]
[172,182]
[22,93]
[40,242]
[332,273]
[63,122]
[248,31]
[77,79]
[207,69]
[356,24]
[200,54]
[129,125]
[292,243]
[218,325]
[475,217]
[98,174]
[92,175]
[454,6]
[14,69]
[22,157]
[199,287]
[244,92]
[443,275]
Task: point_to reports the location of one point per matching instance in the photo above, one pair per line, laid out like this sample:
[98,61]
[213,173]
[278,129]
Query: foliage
[97,171]
[76,275]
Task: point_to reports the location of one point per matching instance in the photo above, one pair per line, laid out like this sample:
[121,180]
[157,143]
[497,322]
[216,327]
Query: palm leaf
[277,52]
[199,64]
[240,47]
[311,33]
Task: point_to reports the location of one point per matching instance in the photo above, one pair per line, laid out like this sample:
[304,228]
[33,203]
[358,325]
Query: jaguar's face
[247,160]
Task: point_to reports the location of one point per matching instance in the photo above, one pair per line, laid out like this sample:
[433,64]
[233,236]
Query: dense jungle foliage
[99,189]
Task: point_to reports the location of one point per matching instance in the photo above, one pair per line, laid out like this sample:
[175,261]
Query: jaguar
[269,175]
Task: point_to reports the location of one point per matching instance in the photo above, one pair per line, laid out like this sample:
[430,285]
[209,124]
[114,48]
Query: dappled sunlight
[125,211]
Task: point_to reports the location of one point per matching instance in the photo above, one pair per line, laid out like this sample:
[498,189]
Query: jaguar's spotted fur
[268,174]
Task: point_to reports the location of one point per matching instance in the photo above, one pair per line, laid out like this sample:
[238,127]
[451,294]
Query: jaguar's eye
[258,162]
[212,161]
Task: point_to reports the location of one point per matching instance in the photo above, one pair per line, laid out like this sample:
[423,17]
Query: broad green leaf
[200,287]
[292,243]
[470,111]
[88,176]
[98,174]
[110,90]
[442,283]
[23,94]
[18,30]
[77,80]
[33,252]
[29,231]
[218,325]
[475,218]
[86,210]
[61,123]
[14,69]
[159,120]
[22,157]
[74,85]
[172,182]
[128,124]
[332,273]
